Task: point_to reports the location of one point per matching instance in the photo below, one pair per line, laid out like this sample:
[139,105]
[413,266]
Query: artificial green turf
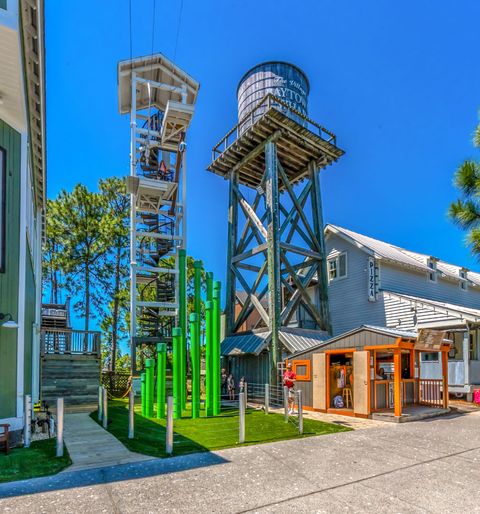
[36,461]
[205,434]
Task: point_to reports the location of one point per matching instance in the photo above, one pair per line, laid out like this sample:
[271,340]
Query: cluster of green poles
[179,352]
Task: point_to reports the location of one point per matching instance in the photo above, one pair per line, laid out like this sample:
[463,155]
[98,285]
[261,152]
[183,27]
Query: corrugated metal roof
[247,343]
[402,256]
[467,312]
[372,328]
[299,339]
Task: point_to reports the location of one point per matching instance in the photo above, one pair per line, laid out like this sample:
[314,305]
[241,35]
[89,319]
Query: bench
[5,436]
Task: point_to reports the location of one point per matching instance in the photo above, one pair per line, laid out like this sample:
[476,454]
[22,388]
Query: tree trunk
[116,307]
[87,306]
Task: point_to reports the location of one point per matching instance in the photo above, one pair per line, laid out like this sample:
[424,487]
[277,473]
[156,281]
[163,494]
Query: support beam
[231,248]
[273,253]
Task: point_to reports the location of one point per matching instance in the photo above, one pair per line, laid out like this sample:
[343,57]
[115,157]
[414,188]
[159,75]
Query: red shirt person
[289,378]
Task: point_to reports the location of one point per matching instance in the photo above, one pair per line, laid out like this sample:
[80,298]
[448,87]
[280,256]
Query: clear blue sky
[398,82]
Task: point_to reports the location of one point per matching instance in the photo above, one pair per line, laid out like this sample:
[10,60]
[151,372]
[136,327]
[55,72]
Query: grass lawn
[205,434]
[37,461]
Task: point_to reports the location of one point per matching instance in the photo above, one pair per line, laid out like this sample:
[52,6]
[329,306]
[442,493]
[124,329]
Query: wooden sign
[429,340]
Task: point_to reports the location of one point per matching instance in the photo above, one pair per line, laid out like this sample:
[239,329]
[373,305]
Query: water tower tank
[283,80]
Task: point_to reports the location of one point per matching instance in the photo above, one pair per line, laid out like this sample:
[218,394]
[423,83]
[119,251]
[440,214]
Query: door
[360,383]
[319,381]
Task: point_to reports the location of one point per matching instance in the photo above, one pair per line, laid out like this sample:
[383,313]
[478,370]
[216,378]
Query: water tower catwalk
[160,99]
[276,262]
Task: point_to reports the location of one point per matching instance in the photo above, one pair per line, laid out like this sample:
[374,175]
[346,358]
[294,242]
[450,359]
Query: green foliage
[37,461]
[465,211]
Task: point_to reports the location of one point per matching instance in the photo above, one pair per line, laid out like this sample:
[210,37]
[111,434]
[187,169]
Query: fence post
[131,414]
[241,417]
[300,412]
[28,420]
[100,403]
[245,390]
[267,398]
[105,408]
[59,427]
[285,403]
[169,432]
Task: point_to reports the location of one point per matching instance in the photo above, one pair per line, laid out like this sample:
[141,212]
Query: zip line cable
[178,29]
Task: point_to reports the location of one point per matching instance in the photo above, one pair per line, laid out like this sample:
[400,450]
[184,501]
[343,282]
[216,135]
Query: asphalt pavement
[425,466]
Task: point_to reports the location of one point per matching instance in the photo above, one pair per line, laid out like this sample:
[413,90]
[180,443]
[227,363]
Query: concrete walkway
[425,466]
[91,446]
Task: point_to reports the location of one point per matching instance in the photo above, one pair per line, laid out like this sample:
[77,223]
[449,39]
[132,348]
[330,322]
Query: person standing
[231,387]
[223,381]
[289,378]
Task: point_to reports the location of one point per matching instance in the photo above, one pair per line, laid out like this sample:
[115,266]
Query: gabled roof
[393,332]
[401,256]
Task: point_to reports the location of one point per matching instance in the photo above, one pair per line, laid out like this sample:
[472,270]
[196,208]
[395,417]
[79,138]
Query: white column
[466,355]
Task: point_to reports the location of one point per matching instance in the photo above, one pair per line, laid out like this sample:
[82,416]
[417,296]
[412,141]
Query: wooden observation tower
[276,253]
[160,99]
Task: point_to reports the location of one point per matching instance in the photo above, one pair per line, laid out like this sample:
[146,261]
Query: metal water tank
[283,80]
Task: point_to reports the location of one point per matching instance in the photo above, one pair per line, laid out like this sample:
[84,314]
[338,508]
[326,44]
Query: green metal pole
[142,394]
[208,344]
[149,386]
[216,347]
[177,372]
[161,375]
[195,364]
[208,356]
[197,309]
[182,321]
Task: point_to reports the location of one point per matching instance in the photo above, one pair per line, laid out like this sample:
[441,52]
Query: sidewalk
[91,446]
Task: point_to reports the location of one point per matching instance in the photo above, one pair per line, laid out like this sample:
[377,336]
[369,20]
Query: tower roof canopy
[157,69]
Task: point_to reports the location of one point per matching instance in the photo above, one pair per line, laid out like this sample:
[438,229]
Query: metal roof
[394,332]
[299,339]
[383,250]
[448,308]
[247,343]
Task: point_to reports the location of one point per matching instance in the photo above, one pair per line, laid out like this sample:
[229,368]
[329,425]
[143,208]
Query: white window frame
[336,259]
[463,283]
[432,275]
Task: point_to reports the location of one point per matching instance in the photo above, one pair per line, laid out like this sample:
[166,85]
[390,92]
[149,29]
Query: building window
[432,275]
[3,199]
[301,368]
[337,266]
[429,356]
[3,4]
[463,280]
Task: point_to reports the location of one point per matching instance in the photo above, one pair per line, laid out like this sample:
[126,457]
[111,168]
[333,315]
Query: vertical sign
[372,281]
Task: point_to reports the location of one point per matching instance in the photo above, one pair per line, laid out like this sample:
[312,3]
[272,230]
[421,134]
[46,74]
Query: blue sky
[398,82]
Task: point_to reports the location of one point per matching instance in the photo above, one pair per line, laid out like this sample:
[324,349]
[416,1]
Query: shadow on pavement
[88,477]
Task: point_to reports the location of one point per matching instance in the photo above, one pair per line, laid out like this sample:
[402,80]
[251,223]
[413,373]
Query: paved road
[429,466]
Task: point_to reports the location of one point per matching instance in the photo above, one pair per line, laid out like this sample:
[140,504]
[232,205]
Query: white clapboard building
[377,283]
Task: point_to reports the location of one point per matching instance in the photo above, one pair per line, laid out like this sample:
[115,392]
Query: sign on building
[372,280]
[429,340]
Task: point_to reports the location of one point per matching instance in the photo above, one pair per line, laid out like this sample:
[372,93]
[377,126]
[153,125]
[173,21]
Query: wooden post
[397,382]
[321,289]
[59,448]
[231,251]
[445,378]
[273,253]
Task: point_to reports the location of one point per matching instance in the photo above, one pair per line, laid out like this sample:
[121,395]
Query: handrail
[269,101]
[58,341]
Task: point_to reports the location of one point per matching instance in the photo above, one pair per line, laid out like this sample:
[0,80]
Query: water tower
[160,99]
[276,262]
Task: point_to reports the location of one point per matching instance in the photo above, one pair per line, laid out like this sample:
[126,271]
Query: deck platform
[411,413]
[297,145]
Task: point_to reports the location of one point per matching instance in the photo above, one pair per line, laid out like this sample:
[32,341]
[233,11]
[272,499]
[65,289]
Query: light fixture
[10,323]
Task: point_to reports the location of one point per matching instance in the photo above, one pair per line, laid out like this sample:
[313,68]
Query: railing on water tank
[54,341]
[267,102]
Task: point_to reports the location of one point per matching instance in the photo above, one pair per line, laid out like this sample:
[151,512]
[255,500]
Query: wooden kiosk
[375,372]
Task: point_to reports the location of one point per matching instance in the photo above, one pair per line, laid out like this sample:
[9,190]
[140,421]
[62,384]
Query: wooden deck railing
[69,342]
[430,392]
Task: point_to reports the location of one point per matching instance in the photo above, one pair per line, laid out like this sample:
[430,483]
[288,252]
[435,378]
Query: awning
[247,343]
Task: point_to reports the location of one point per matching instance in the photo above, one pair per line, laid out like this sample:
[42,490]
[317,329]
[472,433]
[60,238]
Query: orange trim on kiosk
[306,362]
